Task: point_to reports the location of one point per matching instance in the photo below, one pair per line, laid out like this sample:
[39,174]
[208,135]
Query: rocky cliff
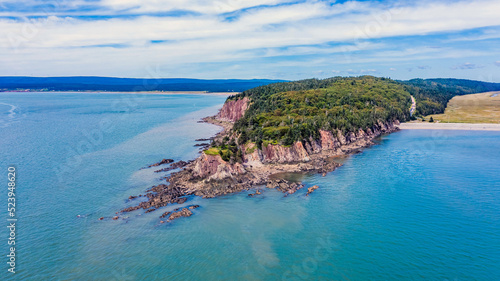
[214,167]
[210,176]
[233,110]
[284,154]
[329,143]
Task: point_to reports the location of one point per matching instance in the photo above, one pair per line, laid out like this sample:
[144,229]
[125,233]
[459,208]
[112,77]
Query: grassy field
[476,108]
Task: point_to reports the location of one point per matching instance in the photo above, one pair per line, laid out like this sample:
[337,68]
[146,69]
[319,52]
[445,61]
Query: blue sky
[275,39]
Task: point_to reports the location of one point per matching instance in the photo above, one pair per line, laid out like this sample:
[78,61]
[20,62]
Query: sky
[274,39]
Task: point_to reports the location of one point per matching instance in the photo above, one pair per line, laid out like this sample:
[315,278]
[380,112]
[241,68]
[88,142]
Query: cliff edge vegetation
[283,127]
[284,113]
[299,126]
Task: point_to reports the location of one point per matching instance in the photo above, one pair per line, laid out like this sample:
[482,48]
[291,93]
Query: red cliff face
[328,142]
[331,143]
[335,143]
[233,110]
[281,154]
[213,167]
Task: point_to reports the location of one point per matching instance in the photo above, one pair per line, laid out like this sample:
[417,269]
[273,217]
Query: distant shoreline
[450,126]
[132,93]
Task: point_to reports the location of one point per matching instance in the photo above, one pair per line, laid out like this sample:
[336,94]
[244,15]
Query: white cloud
[305,28]
[361,71]
[467,65]
[205,7]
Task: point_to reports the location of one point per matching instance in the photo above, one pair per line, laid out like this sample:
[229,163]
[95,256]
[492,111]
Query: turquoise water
[420,205]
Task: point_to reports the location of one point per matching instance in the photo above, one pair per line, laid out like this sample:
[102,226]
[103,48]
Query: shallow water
[420,205]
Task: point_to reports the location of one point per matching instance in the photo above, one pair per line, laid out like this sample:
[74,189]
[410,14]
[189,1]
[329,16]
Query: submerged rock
[185,212]
[164,161]
[285,186]
[202,144]
[311,189]
[256,193]
[174,166]
[165,215]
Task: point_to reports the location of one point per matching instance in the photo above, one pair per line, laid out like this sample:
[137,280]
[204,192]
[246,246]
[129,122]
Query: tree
[243,137]
[431,120]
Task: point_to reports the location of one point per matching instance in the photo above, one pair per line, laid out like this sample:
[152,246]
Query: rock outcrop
[162,162]
[185,212]
[214,167]
[283,154]
[233,110]
[329,143]
[311,189]
[210,176]
[285,186]
[173,166]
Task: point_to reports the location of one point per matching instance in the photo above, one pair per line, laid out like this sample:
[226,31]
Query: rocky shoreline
[210,176]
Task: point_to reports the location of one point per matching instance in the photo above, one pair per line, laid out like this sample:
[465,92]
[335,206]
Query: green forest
[294,111]
[433,95]
[286,112]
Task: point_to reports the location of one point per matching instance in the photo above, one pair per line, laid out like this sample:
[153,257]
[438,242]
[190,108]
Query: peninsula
[294,127]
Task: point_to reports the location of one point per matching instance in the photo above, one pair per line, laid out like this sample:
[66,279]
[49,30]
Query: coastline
[209,176]
[450,126]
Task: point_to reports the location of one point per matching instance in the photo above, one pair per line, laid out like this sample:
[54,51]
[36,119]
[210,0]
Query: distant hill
[89,83]
[296,111]
[433,94]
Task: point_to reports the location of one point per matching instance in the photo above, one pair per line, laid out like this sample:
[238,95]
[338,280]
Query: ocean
[418,205]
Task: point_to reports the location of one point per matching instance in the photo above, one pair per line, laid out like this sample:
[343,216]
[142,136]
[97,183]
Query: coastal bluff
[210,176]
[254,148]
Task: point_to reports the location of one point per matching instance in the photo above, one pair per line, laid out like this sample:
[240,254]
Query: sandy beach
[449,126]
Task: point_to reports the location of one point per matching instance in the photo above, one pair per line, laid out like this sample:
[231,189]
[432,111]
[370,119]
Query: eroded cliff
[233,110]
[210,175]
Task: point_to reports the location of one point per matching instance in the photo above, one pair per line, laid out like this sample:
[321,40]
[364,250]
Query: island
[296,127]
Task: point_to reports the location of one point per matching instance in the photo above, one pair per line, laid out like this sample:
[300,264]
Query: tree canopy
[295,111]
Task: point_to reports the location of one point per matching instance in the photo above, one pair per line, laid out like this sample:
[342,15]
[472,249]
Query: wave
[4,122]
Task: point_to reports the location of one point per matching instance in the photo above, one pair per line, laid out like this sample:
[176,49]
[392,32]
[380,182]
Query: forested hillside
[295,111]
[432,95]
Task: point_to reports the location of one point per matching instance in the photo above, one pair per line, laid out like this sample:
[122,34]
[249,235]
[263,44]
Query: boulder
[311,189]
[185,212]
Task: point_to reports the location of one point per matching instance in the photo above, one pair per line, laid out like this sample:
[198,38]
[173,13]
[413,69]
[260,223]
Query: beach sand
[449,126]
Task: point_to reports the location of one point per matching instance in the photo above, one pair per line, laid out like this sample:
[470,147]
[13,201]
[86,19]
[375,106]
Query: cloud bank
[242,38]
